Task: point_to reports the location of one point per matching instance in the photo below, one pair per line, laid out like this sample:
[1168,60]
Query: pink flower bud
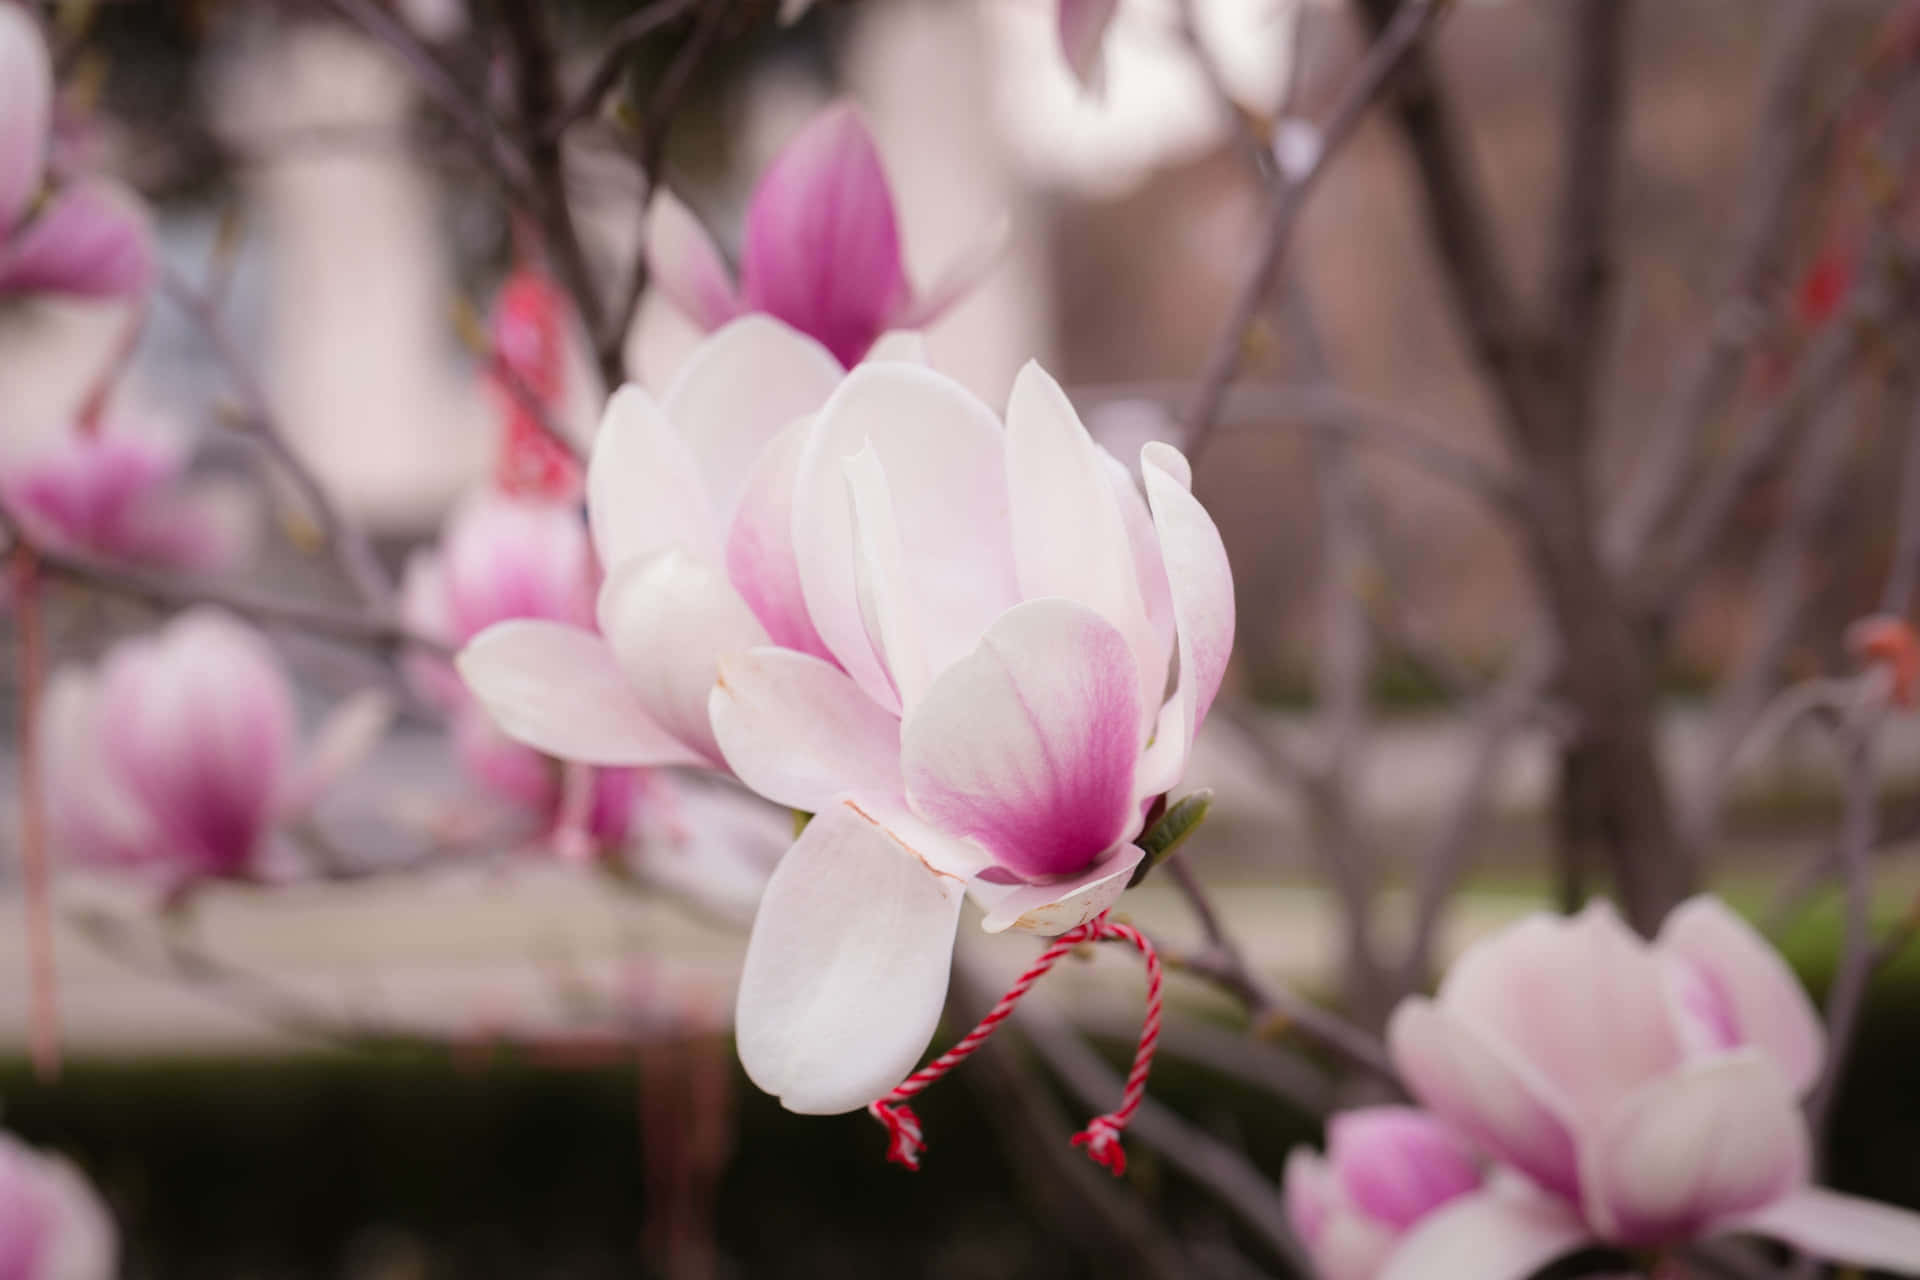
[52,1224]
[118,497]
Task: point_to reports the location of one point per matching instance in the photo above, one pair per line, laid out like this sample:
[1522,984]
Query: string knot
[904,1140]
[1101,1138]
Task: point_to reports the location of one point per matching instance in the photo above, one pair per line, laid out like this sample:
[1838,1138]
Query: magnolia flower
[88,237]
[1082,29]
[1386,1168]
[1649,1091]
[117,497]
[179,755]
[821,250]
[986,712]
[52,1224]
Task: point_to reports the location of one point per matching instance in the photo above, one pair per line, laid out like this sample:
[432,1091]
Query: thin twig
[348,543]
[1369,83]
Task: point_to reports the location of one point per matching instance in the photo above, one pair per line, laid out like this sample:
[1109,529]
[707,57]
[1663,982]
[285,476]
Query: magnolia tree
[970,649]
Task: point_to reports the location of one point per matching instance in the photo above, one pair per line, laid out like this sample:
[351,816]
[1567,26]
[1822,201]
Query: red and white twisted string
[1101,1137]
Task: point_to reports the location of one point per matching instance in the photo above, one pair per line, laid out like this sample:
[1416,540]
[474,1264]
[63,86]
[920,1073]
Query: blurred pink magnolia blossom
[1386,1168]
[502,558]
[88,237]
[52,1223]
[180,755]
[118,497]
[946,638]
[821,250]
[1648,1091]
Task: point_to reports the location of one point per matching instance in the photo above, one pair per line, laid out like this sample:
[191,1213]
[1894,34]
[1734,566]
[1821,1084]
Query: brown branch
[617,46]
[1763,213]
[1393,50]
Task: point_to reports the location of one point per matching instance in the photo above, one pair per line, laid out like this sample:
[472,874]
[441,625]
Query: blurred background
[302,178]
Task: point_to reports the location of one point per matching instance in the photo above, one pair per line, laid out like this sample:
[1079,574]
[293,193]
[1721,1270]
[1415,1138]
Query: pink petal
[560,689]
[670,621]
[1055,906]
[92,815]
[1714,1139]
[1745,992]
[26,113]
[505,558]
[760,557]
[91,240]
[53,1225]
[822,250]
[1082,31]
[1353,1247]
[799,732]
[1502,1233]
[741,388]
[1069,535]
[1582,1001]
[846,969]
[1493,1099]
[1843,1229]
[1398,1164]
[1201,583]
[943,455]
[645,492]
[1029,745]
[684,264]
[116,496]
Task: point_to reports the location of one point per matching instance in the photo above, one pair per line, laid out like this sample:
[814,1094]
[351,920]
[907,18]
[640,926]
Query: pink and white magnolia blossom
[180,755]
[1386,1168]
[87,237]
[979,708]
[116,496]
[821,250]
[1648,1091]
[947,638]
[52,1223]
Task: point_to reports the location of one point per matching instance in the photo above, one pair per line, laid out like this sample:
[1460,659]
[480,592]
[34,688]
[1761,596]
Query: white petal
[847,966]
[737,391]
[345,738]
[1841,1228]
[1488,1096]
[760,558]
[1714,1139]
[1069,536]
[1054,908]
[798,731]
[645,492]
[1755,990]
[943,455]
[888,606]
[684,264]
[670,620]
[559,689]
[1502,1233]
[1029,744]
[1201,582]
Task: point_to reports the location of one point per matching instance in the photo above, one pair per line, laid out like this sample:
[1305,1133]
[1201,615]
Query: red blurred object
[528,332]
[1890,640]
[1823,287]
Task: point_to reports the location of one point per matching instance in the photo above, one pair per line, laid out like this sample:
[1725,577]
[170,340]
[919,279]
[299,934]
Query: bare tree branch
[617,47]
